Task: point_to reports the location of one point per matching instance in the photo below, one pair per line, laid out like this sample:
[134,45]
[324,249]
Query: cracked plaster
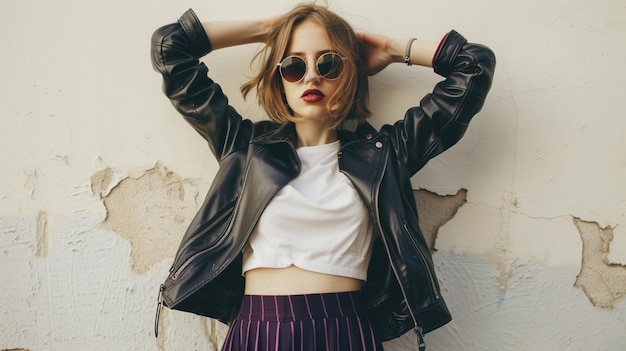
[151,211]
[436,210]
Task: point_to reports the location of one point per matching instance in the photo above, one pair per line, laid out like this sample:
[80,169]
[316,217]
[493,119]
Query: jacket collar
[287,133]
[284,133]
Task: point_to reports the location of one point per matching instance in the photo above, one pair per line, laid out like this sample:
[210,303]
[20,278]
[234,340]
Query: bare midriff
[295,281]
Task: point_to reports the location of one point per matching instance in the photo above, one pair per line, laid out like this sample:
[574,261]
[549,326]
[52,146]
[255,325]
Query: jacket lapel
[272,163]
[362,160]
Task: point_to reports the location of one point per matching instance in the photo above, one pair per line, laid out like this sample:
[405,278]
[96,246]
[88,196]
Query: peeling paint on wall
[43,238]
[151,211]
[101,182]
[602,282]
[436,210]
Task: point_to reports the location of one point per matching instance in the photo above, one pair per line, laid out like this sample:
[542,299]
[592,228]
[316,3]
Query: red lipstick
[312,95]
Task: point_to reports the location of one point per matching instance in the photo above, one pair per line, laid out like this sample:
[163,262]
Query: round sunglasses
[293,68]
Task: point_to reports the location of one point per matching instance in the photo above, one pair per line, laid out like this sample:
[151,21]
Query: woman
[309,236]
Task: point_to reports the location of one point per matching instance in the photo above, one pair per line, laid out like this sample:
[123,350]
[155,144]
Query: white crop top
[316,222]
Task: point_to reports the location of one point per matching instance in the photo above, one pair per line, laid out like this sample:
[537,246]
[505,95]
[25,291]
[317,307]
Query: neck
[311,134]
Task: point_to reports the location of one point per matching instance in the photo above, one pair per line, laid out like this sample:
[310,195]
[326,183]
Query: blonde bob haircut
[350,100]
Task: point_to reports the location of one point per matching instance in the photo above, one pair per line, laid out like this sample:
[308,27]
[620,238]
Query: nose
[311,71]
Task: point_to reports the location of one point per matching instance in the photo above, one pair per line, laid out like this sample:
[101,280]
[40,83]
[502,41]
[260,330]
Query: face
[309,96]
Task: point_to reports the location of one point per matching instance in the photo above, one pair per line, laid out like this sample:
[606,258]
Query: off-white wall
[100,175]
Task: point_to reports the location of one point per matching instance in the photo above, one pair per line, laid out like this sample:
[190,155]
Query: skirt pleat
[312,322]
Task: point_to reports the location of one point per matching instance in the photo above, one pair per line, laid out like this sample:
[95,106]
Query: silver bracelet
[407,52]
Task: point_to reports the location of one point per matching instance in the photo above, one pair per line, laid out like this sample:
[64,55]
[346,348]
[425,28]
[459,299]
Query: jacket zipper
[190,259]
[158,311]
[417,329]
[430,274]
[179,271]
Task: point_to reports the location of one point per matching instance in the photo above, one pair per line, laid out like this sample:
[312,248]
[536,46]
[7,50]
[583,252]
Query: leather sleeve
[442,117]
[175,51]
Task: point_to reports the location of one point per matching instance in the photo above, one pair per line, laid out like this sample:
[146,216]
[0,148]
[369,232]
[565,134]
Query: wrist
[407,52]
[396,50]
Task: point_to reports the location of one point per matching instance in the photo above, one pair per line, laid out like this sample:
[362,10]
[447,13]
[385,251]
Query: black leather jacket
[257,158]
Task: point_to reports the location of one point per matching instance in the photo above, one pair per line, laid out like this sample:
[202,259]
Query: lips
[312,95]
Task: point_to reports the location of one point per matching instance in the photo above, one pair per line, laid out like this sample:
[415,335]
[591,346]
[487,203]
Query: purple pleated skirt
[328,322]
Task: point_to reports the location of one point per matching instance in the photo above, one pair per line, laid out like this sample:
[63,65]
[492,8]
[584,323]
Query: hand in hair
[377,50]
[380,51]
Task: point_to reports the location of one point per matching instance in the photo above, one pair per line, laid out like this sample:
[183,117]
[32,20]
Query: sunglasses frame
[306,66]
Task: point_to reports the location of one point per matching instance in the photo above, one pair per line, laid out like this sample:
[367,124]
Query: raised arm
[442,116]
[224,34]
[176,51]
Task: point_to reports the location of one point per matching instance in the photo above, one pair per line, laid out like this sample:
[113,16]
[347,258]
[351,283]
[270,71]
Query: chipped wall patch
[602,282]
[617,249]
[436,210]
[100,181]
[151,211]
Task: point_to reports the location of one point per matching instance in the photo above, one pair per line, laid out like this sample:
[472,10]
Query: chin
[312,114]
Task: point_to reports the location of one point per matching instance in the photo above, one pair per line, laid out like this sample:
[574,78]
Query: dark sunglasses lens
[330,65]
[292,68]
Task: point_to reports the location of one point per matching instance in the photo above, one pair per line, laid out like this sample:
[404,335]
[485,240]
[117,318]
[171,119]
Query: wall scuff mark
[31,182]
[436,210]
[151,211]
[602,282]
[500,257]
